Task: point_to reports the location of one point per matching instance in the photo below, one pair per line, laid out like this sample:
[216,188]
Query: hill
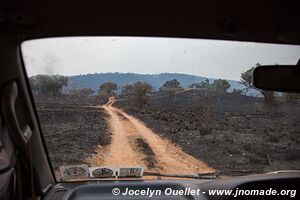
[156,80]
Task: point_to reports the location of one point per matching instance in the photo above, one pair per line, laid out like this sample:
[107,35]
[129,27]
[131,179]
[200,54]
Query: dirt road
[124,150]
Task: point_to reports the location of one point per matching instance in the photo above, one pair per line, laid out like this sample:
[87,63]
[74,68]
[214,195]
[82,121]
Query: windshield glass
[175,106]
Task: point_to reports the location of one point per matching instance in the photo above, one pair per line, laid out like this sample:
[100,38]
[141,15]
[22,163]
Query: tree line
[139,92]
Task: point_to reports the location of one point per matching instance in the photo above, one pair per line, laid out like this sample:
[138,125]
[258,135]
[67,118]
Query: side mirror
[282,78]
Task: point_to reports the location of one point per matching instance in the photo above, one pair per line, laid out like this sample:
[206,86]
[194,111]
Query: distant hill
[156,80]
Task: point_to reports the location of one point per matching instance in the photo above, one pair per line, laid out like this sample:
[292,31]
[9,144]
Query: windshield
[173,106]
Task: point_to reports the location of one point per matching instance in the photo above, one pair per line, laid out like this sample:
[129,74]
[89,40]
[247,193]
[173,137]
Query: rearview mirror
[282,78]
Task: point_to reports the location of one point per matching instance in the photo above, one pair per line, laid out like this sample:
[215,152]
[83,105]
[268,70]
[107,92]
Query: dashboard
[262,186]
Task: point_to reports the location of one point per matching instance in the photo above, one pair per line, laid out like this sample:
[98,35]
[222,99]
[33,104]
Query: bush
[138,93]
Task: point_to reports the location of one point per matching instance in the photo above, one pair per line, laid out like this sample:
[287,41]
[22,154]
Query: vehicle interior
[25,167]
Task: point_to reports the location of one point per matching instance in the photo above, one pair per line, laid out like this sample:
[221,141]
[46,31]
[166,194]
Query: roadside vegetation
[218,84]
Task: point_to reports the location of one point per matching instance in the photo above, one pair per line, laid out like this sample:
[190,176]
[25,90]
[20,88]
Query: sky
[208,58]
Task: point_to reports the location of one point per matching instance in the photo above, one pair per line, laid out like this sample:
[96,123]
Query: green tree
[247,81]
[108,87]
[202,84]
[172,84]
[170,88]
[221,85]
[218,84]
[138,92]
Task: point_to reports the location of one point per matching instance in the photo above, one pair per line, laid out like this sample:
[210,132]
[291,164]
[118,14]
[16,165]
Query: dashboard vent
[58,194]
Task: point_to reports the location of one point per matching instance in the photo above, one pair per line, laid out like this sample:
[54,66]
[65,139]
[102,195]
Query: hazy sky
[209,58]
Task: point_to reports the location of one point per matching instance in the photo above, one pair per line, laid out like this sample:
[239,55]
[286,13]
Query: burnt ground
[72,132]
[228,131]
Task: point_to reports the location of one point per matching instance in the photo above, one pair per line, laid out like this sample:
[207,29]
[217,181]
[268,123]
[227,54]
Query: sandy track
[169,157]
